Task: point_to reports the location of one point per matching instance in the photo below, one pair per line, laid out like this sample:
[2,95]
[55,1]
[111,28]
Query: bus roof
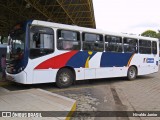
[78,28]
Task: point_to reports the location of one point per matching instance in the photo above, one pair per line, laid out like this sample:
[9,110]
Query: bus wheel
[132,73]
[64,78]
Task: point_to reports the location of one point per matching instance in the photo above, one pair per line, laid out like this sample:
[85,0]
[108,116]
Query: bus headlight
[20,69]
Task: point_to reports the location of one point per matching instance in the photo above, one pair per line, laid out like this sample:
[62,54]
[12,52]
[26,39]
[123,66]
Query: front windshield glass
[16,43]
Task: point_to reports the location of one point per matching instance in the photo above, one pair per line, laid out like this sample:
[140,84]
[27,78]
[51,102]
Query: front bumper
[19,78]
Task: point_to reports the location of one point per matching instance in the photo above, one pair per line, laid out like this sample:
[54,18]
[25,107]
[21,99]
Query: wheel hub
[64,78]
[132,73]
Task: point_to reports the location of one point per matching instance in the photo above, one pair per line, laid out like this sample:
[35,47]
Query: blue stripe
[110,59]
[79,59]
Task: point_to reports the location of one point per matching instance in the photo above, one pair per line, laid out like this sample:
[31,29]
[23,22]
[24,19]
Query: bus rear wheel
[64,78]
[132,73]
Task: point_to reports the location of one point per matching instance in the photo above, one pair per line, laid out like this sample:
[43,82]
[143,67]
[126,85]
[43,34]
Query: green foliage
[158,35]
[150,33]
[3,39]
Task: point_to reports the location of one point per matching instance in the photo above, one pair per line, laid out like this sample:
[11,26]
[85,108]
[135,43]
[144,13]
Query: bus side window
[113,43]
[144,46]
[130,45]
[68,40]
[154,47]
[41,41]
[93,42]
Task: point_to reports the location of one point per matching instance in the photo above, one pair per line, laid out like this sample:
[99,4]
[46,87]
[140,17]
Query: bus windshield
[16,44]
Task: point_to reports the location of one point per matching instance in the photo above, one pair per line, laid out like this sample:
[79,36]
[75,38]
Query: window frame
[136,46]
[144,46]
[101,41]
[78,38]
[121,38]
[156,48]
[47,33]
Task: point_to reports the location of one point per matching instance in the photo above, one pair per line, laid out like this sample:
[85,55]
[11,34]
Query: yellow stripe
[130,60]
[90,52]
[87,63]
[71,112]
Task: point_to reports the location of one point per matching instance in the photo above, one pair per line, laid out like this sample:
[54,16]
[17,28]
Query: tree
[158,34]
[150,33]
[3,39]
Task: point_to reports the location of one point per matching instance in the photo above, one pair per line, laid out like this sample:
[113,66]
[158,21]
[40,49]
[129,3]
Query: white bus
[43,52]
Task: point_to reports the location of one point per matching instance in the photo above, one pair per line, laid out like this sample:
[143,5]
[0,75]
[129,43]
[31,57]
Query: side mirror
[36,37]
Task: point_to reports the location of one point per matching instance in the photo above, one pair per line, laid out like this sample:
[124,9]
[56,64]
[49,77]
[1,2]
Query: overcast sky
[127,16]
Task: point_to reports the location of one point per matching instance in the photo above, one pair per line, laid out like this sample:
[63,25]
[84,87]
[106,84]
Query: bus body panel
[41,75]
[92,72]
[86,64]
[19,78]
[110,72]
[145,64]
[44,76]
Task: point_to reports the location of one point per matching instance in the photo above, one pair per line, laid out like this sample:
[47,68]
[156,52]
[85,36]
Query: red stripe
[57,61]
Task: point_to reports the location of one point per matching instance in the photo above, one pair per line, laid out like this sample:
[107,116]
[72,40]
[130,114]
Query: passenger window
[154,47]
[68,40]
[130,45]
[93,42]
[41,41]
[113,43]
[144,46]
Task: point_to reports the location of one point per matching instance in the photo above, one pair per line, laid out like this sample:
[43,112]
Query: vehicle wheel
[132,73]
[64,78]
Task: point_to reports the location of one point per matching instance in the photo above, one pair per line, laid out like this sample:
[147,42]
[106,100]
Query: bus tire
[64,78]
[132,73]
